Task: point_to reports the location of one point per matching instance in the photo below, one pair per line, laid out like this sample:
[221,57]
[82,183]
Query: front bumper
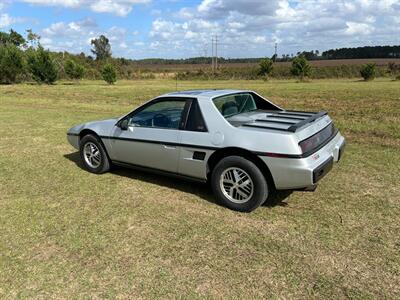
[299,173]
[73,139]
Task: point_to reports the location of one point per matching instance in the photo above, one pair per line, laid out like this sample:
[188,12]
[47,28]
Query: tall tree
[12,38]
[42,66]
[101,47]
[11,63]
[33,38]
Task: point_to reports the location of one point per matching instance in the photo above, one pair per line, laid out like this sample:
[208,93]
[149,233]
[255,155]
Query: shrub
[300,67]
[393,70]
[41,66]
[11,63]
[368,71]
[109,74]
[74,70]
[397,77]
[266,67]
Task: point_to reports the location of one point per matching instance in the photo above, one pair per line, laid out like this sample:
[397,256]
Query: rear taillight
[314,141]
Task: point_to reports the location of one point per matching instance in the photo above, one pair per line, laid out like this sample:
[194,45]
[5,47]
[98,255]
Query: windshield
[234,104]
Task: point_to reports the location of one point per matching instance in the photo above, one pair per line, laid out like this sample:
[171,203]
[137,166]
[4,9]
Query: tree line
[24,58]
[363,52]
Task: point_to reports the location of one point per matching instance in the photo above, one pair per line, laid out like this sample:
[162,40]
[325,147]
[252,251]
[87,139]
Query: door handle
[169,147]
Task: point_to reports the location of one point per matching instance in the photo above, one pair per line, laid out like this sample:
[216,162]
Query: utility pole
[212,53]
[216,51]
[276,52]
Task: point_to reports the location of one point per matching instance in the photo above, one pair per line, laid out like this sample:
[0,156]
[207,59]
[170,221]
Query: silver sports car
[244,145]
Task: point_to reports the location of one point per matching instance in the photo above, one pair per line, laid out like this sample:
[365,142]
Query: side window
[195,121]
[163,114]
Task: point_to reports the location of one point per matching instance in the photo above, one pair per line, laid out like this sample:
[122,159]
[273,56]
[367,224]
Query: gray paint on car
[172,150]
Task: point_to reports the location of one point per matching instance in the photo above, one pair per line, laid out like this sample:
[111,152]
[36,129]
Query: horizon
[176,29]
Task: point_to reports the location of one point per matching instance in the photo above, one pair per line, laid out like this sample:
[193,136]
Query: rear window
[234,104]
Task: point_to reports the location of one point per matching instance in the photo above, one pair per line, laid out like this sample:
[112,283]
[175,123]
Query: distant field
[69,234]
[317,63]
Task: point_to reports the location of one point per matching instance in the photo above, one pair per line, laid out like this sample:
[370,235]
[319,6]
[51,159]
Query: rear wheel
[93,155]
[239,184]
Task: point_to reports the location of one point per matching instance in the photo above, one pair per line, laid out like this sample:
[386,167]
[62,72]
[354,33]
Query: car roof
[207,93]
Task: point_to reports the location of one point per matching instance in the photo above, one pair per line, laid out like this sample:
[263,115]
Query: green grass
[66,233]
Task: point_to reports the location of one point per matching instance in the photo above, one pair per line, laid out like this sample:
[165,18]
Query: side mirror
[124,124]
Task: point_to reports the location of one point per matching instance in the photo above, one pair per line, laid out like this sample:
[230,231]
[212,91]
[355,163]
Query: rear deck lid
[312,129]
[291,121]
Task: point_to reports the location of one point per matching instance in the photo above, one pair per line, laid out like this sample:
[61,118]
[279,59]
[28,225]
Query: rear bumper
[299,173]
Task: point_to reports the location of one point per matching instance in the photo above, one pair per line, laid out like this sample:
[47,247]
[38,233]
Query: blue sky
[183,28]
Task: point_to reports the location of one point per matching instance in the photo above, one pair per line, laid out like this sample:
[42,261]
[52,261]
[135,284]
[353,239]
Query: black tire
[259,183]
[104,164]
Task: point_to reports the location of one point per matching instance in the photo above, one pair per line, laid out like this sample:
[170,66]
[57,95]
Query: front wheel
[239,184]
[93,155]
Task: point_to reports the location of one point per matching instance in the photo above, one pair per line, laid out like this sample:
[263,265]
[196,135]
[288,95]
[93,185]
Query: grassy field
[315,63]
[66,233]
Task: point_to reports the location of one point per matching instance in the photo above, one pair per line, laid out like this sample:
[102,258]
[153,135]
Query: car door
[152,136]
[196,145]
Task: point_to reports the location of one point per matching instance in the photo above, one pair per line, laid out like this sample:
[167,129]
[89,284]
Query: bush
[41,66]
[266,67]
[11,63]
[393,70]
[109,74]
[300,67]
[397,77]
[73,70]
[368,71]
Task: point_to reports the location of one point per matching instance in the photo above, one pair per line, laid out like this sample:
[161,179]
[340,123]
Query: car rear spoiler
[287,120]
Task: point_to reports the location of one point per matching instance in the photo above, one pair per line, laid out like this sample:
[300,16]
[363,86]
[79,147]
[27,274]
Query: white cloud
[244,27]
[71,29]
[260,39]
[358,29]
[190,35]
[295,25]
[6,20]
[118,7]
[217,8]
[76,37]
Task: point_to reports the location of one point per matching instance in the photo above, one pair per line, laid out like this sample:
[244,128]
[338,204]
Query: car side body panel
[187,152]
[147,147]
